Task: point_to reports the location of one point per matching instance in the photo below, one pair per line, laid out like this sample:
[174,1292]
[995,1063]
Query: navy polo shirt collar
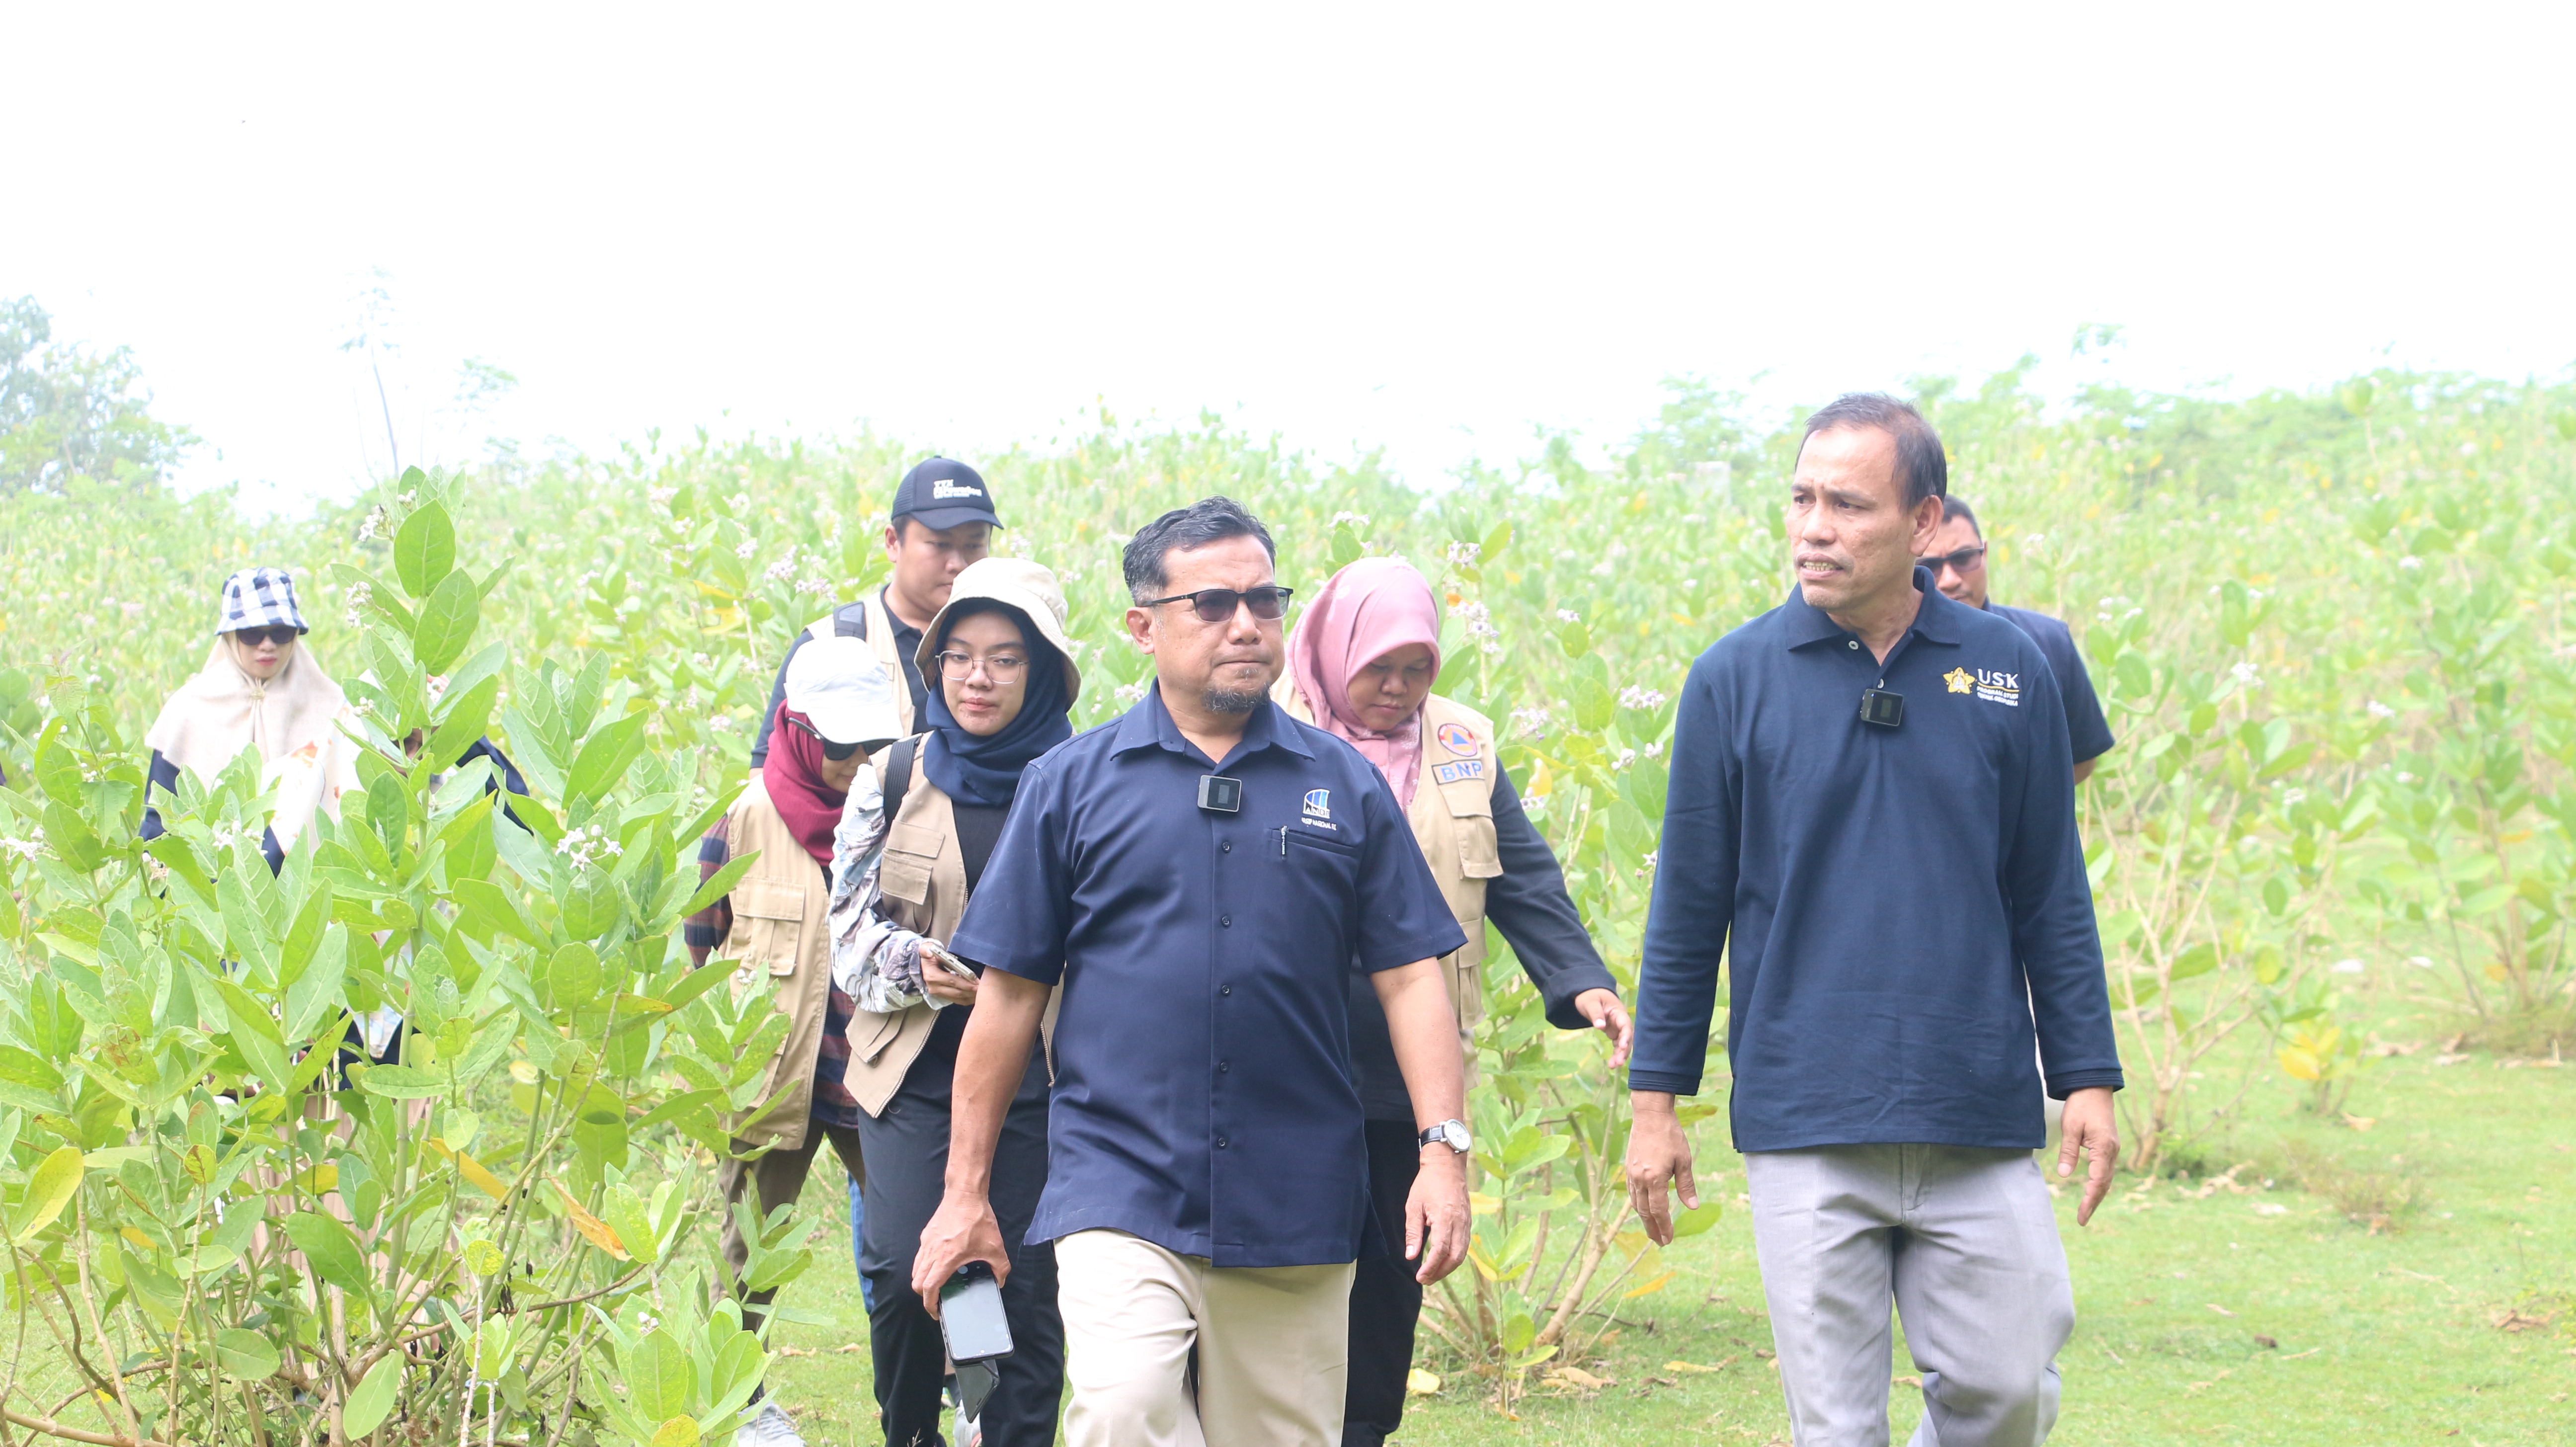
[1149,725]
[1937,619]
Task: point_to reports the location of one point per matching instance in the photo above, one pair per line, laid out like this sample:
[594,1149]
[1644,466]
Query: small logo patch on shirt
[1319,803]
[1452,773]
[2002,688]
[1456,738]
[1959,680]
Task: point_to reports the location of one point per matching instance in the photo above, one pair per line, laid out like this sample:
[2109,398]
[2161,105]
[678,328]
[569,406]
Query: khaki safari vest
[876,626]
[1453,821]
[779,931]
[921,886]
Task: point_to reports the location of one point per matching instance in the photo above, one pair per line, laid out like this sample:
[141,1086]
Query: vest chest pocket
[904,872]
[1471,815]
[768,922]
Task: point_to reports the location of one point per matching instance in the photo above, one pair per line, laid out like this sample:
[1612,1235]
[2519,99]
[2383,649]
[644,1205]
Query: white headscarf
[292,720]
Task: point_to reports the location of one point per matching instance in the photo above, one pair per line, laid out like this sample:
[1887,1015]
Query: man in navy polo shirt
[1200,875]
[1957,560]
[1873,807]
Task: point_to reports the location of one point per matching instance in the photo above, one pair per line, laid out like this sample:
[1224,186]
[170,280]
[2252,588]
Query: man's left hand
[1436,1218]
[1608,1016]
[2089,1127]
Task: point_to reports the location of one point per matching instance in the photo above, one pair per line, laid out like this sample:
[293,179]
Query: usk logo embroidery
[2003,688]
[1456,738]
[1319,803]
[1958,680]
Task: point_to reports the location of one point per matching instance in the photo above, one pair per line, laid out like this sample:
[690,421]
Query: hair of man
[1957,510]
[1921,463]
[1209,520]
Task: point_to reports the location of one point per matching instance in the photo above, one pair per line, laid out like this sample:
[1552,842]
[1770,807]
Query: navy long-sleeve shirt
[1905,907]
[1528,903]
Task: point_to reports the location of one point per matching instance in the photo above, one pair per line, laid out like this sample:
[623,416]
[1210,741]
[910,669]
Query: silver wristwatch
[1450,1133]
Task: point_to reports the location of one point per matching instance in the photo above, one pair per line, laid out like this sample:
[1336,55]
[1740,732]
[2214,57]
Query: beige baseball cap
[1030,588]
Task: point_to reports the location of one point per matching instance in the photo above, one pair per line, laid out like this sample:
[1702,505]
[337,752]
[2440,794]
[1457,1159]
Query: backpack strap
[897,777]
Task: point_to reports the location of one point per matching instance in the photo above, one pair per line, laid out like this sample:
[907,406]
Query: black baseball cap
[941,492]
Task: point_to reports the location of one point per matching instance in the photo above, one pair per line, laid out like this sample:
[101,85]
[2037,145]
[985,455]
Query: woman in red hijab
[1361,664]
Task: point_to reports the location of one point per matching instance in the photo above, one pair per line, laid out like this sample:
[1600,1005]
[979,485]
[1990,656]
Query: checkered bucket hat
[260,598]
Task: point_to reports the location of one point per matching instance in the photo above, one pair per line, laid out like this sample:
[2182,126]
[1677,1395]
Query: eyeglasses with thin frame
[1269,602]
[835,752]
[281,635]
[1964,560]
[1003,668]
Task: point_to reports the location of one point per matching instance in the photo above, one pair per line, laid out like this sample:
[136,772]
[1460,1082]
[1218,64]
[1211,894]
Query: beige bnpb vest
[779,931]
[1453,820]
[921,886]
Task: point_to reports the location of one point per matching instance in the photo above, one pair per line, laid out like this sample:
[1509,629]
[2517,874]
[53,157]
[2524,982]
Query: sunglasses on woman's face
[1217,605]
[281,636]
[835,752]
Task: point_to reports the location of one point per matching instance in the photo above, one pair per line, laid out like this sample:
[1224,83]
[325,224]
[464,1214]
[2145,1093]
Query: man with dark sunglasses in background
[1957,559]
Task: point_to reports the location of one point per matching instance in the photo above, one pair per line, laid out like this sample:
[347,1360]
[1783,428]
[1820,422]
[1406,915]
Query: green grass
[2389,1336]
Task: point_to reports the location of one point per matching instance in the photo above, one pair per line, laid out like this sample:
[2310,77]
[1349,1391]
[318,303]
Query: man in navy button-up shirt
[1206,1155]
[1901,890]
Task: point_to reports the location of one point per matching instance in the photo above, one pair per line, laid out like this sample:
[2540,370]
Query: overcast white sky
[1420,227]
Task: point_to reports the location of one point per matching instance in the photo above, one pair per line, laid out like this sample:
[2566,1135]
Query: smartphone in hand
[970,1315]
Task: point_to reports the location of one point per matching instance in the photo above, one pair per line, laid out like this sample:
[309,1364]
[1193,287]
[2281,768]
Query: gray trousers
[1962,1240]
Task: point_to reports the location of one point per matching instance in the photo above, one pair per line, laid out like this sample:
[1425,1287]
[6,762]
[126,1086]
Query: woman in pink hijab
[1361,663]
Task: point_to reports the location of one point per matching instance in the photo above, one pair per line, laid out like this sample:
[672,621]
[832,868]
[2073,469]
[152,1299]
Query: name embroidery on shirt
[1993,687]
[1452,773]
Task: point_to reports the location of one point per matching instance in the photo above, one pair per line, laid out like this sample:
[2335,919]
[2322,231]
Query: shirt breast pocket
[769,919]
[1471,815]
[1323,874]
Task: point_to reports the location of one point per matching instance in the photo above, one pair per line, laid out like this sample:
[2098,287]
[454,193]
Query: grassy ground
[2456,1320]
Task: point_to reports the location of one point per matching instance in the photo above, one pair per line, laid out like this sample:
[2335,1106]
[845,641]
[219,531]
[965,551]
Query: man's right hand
[1659,1156]
[962,1230]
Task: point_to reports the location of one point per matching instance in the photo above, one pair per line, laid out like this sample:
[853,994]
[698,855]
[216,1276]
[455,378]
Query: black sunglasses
[1963,559]
[835,752]
[281,635]
[1217,605]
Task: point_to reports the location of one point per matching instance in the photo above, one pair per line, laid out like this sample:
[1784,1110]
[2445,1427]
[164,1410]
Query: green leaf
[424,551]
[721,883]
[573,974]
[447,623]
[468,718]
[677,1432]
[658,1377]
[1692,1223]
[245,1356]
[49,1190]
[373,1401]
[330,1248]
[604,758]
[401,1082]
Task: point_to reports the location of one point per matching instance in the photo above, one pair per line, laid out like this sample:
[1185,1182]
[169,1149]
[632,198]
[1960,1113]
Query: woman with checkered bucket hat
[260,690]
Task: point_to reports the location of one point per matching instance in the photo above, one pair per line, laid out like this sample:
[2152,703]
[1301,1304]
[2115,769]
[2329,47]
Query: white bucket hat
[841,688]
[1028,588]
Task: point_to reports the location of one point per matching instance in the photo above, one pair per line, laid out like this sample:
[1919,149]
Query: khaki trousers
[780,1178]
[1271,1344]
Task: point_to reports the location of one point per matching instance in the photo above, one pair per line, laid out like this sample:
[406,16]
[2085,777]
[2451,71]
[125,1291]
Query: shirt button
[1225,989]
[1226,848]
[1854,644]
[1223,1066]
[1225,921]
[1220,1143]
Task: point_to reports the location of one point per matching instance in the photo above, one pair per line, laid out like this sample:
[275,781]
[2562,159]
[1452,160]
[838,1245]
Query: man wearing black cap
[942,520]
